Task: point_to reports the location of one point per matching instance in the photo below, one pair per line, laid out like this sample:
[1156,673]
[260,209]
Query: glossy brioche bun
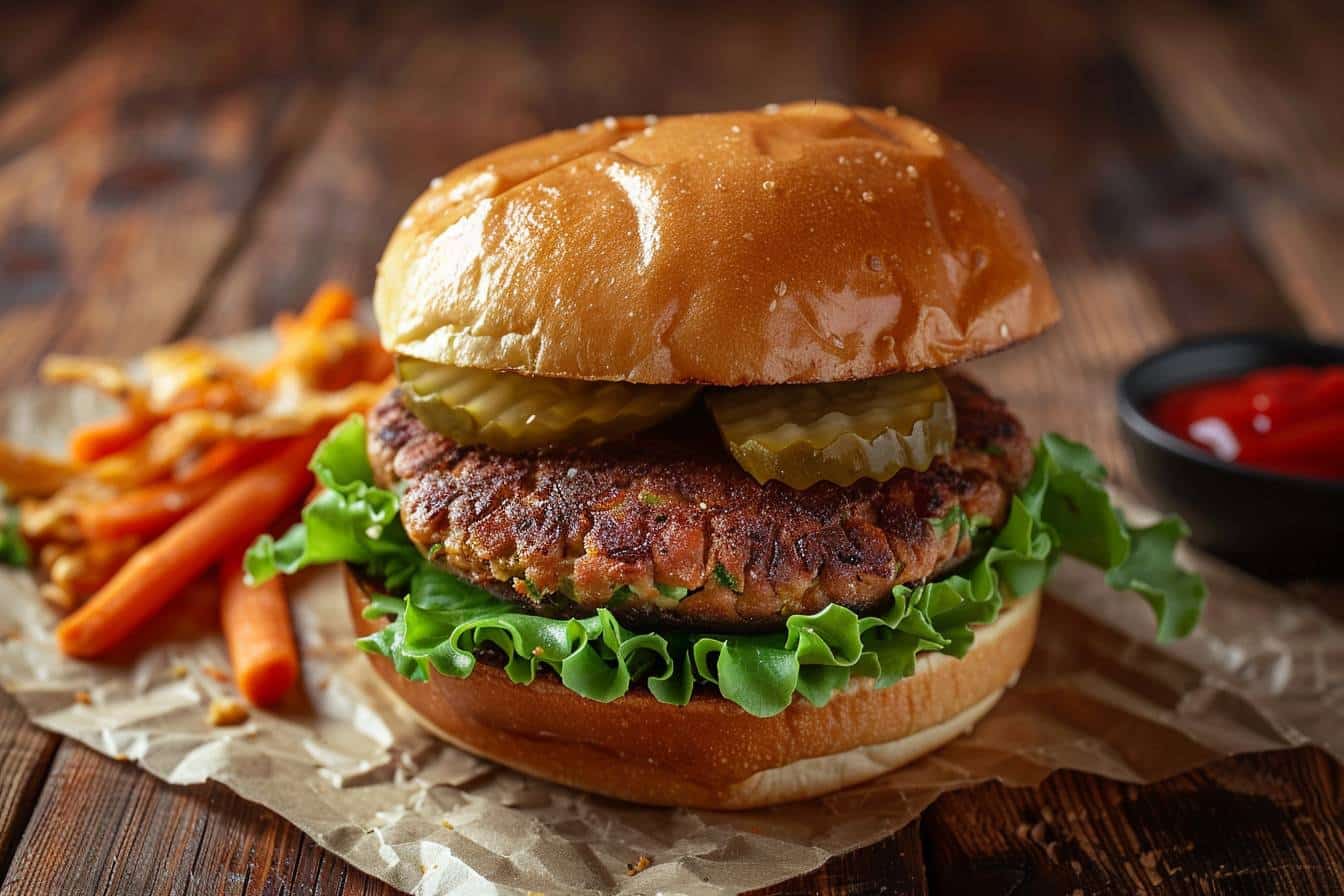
[806,243]
[710,753]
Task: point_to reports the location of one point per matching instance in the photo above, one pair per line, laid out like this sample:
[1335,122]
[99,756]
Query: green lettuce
[436,620]
[13,549]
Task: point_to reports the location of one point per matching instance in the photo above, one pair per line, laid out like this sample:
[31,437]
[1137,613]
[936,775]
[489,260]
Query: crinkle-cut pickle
[512,412]
[837,432]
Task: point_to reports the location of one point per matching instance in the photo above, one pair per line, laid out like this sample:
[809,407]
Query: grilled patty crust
[666,528]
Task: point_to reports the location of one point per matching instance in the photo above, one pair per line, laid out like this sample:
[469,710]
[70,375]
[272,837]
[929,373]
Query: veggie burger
[681,497]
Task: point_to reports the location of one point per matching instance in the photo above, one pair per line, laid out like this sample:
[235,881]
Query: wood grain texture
[383,141]
[125,176]
[103,826]
[1264,824]
[165,173]
[25,755]
[40,38]
[893,867]
[1267,112]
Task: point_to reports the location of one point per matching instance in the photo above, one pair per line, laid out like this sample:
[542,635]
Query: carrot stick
[144,511]
[151,509]
[377,363]
[224,456]
[260,636]
[98,440]
[158,572]
[331,302]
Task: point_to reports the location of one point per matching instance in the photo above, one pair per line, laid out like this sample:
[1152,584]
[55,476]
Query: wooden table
[177,169]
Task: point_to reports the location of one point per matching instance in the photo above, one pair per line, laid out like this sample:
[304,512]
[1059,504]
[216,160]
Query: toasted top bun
[805,243]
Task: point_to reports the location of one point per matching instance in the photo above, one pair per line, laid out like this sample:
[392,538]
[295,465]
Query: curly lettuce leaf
[436,621]
[1068,494]
[351,520]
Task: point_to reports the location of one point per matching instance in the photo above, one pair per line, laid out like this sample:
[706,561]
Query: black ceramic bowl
[1271,523]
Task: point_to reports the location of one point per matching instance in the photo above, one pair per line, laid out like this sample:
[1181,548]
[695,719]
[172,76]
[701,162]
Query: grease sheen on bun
[709,753]
[809,243]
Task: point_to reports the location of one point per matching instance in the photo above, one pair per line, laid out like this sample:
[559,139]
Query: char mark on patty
[664,527]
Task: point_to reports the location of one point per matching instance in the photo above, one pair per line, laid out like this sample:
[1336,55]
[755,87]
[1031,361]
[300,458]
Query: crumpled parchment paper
[345,765]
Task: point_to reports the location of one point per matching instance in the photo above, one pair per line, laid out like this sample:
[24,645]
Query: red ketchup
[1287,419]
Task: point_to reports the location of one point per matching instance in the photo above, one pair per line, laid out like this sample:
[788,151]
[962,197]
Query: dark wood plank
[1262,824]
[103,826]
[892,867]
[40,38]
[126,177]
[386,138]
[1259,94]
[25,755]
[89,801]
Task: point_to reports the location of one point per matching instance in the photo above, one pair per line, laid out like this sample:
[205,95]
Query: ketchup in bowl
[1286,419]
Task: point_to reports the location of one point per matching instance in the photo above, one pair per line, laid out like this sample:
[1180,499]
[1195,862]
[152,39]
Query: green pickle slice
[512,412]
[837,432]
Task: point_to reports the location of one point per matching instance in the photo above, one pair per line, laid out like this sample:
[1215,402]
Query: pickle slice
[512,412]
[837,432]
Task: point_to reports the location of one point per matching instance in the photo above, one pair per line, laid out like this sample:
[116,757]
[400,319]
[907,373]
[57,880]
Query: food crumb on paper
[447,825]
[178,671]
[225,711]
[83,698]
[638,865]
[213,671]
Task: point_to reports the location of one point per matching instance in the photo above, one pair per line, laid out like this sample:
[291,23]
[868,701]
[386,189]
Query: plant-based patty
[666,527]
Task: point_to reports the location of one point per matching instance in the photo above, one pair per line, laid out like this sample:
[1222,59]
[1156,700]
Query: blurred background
[171,169]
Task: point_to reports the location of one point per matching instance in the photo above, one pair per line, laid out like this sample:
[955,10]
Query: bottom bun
[710,753]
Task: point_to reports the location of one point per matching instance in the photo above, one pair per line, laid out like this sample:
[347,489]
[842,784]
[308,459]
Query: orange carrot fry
[98,440]
[373,361]
[145,511]
[158,572]
[149,510]
[226,455]
[258,631]
[331,302]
